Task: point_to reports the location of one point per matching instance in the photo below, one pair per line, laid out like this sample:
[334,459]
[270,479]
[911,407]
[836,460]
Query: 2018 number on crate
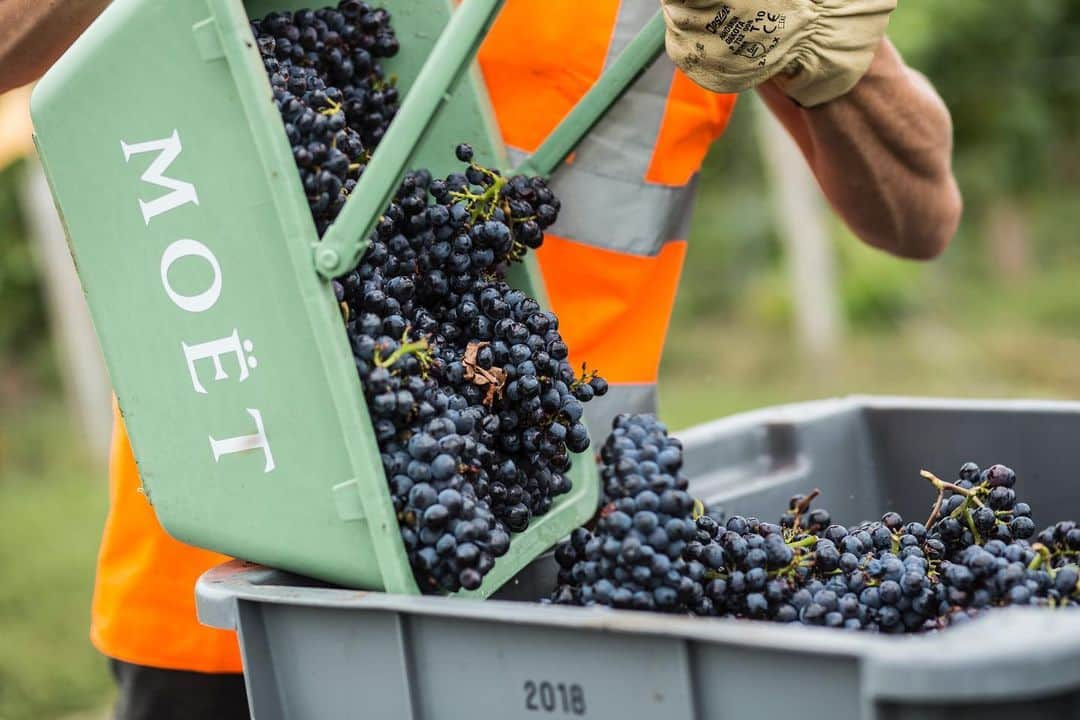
[562,698]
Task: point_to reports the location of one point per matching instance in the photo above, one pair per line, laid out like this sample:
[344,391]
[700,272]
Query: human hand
[815,50]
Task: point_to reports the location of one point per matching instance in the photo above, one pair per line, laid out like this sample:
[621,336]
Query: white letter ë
[180,192]
[242,443]
[213,350]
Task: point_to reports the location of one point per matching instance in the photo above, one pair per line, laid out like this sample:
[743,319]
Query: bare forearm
[882,154]
[34,33]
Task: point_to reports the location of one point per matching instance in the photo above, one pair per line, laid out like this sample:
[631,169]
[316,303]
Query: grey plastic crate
[312,651]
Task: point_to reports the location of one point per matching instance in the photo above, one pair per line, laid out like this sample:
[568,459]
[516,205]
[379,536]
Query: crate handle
[347,500]
[347,238]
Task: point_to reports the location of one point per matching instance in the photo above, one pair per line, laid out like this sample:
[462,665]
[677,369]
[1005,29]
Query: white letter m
[180,192]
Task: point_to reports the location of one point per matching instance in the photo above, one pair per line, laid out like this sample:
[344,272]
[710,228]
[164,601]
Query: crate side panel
[1040,445]
[732,681]
[463,670]
[194,293]
[333,663]
[753,468]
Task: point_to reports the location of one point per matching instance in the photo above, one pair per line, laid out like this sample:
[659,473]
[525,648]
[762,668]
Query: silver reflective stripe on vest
[606,201]
[623,215]
[599,412]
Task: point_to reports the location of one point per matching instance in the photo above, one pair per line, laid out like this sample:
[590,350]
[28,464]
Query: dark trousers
[154,694]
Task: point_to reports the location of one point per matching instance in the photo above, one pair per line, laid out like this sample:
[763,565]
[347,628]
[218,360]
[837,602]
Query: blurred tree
[1010,73]
[22,330]
[802,219]
[1011,76]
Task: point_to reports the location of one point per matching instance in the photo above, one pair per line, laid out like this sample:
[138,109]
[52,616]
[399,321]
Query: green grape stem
[482,204]
[332,110]
[1042,556]
[970,497]
[420,348]
[971,525]
[806,542]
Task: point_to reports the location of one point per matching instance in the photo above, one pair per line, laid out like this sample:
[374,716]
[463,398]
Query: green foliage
[1011,77]
[877,292]
[713,371]
[24,324]
[767,301]
[735,266]
[1051,301]
[52,501]
[1043,303]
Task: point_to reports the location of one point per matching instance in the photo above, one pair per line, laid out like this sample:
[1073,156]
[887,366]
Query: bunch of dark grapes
[331,92]
[875,576]
[474,404]
[653,548]
[637,555]
[989,559]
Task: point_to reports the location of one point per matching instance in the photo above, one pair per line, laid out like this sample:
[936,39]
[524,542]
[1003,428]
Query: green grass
[52,506]
[713,371]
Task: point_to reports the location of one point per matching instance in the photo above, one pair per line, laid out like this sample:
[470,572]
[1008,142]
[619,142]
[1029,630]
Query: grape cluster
[989,560]
[472,400]
[331,92]
[474,404]
[637,555]
[652,547]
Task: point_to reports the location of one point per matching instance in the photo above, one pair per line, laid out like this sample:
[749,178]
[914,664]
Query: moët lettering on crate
[181,193]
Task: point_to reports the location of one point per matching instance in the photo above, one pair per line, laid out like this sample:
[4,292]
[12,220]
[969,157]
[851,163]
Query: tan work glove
[816,50]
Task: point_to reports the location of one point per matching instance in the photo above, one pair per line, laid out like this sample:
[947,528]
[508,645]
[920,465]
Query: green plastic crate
[193,241]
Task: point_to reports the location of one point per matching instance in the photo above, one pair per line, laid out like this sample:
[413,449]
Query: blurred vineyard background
[997,316]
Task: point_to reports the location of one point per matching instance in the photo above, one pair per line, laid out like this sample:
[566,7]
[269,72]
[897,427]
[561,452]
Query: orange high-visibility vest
[611,266]
[611,263]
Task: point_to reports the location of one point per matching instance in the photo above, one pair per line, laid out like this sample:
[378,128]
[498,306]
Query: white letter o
[184,248]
